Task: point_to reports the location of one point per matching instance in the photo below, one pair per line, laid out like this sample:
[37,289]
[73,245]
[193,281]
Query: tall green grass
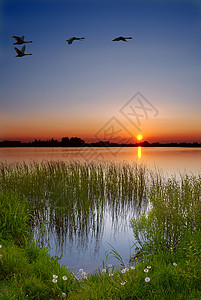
[169,237]
[14,217]
[71,198]
[174,217]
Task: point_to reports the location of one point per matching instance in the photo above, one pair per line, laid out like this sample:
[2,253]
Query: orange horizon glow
[91,138]
[27,127]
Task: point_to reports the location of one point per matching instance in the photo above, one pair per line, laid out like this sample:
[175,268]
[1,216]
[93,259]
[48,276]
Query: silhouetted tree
[76,142]
[144,144]
[65,141]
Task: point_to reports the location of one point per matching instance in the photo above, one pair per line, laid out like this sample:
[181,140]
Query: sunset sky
[96,85]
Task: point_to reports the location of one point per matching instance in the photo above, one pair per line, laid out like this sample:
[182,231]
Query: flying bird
[19,40]
[21,53]
[74,39]
[121,38]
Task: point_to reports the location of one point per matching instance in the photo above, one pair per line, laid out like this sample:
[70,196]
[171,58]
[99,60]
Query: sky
[95,88]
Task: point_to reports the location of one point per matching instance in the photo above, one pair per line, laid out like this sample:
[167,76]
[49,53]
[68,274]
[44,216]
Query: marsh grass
[170,245]
[175,215]
[71,198]
[25,268]
[14,217]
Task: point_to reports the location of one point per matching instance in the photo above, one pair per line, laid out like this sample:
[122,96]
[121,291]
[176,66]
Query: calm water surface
[168,159]
[88,252]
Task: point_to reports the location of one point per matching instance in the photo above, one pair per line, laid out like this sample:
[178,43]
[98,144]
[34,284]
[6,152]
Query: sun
[139,137]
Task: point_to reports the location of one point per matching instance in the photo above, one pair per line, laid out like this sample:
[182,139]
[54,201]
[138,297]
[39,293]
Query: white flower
[110,266]
[81,270]
[174,264]
[132,268]
[55,276]
[151,207]
[146,270]
[148,267]
[122,283]
[63,295]
[0,246]
[123,271]
[84,275]
[147,279]
[54,280]
[104,270]
[64,278]
[111,274]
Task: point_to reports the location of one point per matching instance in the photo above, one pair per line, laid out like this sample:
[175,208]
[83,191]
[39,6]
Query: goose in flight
[121,38]
[74,39]
[21,53]
[19,40]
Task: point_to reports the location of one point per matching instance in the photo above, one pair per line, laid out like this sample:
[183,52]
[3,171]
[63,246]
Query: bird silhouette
[121,38]
[21,53]
[19,40]
[74,39]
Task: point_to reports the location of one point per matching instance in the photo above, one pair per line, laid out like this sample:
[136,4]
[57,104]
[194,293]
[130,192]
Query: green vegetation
[169,237]
[57,193]
[71,198]
[25,269]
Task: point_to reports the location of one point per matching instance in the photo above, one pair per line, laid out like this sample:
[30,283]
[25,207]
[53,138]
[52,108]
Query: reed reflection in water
[71,201]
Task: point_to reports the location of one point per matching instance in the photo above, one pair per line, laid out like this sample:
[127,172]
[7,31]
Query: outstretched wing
[22,38]
[17,38]
[23,49]
[119,38]
[18,51]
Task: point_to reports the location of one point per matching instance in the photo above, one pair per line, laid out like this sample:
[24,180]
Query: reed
[71,198]
[174,216]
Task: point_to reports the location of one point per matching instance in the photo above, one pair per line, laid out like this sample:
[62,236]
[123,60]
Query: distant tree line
[78,142]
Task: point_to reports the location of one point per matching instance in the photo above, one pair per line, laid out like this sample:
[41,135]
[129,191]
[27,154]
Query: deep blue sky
[68,90]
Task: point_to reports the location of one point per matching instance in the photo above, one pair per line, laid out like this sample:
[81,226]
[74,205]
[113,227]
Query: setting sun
[139,137]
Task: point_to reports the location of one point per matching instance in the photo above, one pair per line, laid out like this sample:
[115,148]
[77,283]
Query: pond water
[86,249]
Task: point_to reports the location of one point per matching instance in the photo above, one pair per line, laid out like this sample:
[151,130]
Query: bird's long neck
[28,42]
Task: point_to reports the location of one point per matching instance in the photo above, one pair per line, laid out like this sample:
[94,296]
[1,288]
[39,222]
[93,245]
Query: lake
[168,159]
[86,248]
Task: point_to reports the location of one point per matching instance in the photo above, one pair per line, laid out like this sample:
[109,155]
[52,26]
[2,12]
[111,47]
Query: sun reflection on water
[139,152]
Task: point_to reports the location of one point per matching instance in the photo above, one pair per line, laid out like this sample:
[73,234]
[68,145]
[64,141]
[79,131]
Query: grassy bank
[168,236]
[25,269]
